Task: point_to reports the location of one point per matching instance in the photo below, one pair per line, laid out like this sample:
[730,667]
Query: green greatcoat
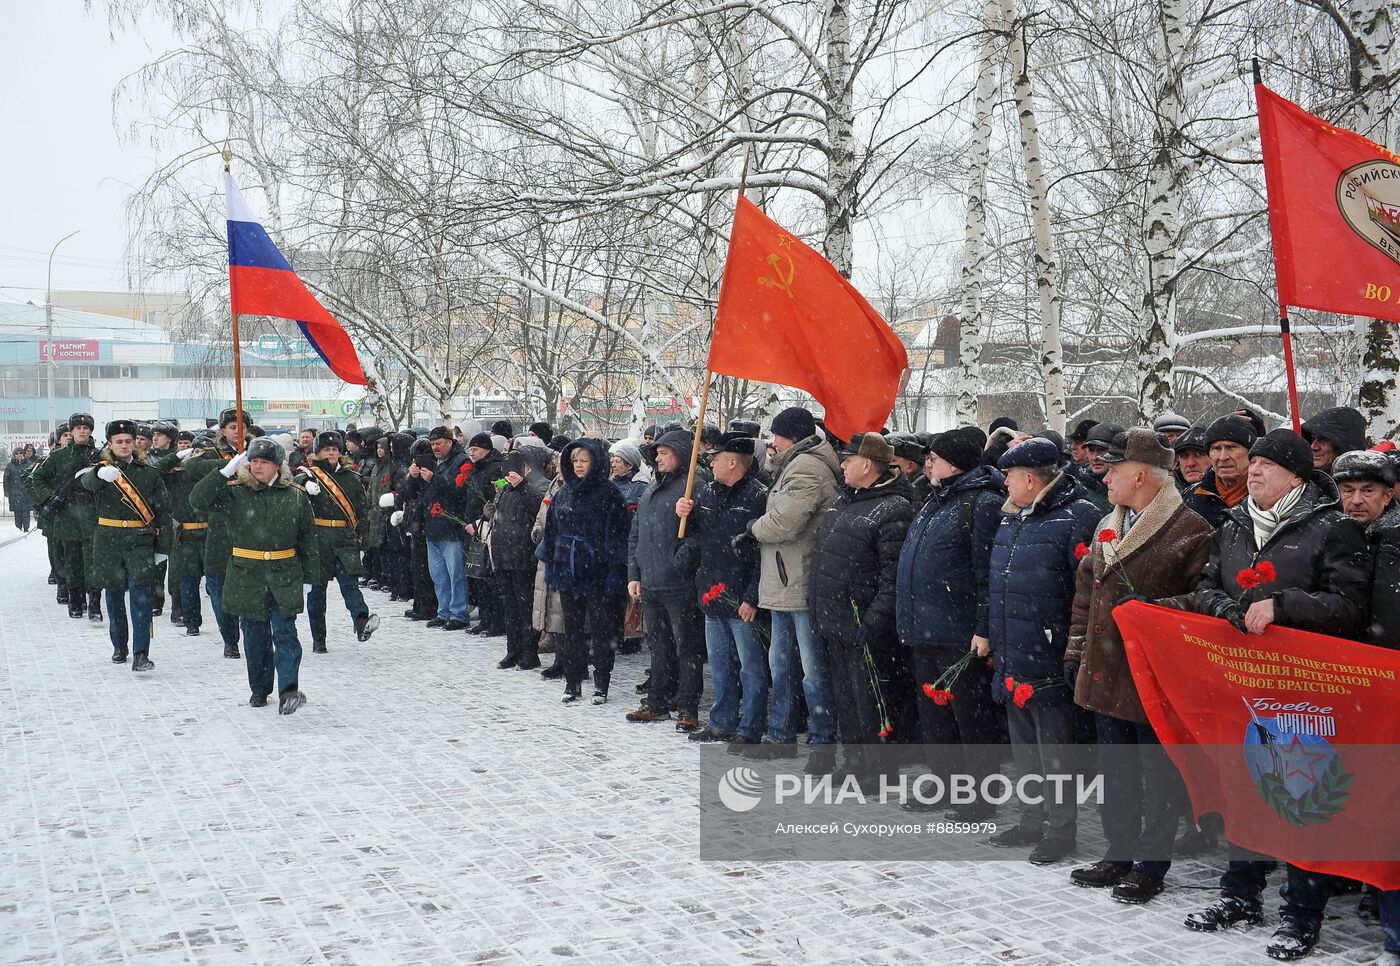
[216,540]
[187,552]
[77,519]
[123,556]
[261,517]
[334,543]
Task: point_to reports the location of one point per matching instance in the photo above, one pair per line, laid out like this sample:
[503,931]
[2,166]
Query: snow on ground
[425,807]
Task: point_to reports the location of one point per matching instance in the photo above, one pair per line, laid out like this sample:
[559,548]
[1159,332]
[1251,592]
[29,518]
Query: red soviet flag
[1290,736]
[786,315]
[1334,209]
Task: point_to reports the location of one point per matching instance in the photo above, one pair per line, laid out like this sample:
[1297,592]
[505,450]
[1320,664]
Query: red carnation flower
[1107,536]
[436,510]
[941,698]
[1247,578]
[1265,572]
[1011,684]
[1081,551]
[886,731]
[930,691]
[1022,694]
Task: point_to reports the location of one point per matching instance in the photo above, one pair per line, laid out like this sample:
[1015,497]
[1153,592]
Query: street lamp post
[48,327]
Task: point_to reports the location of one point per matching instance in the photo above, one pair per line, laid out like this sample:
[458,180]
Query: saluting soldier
[190,530]
[338,500]
[132,536]
[70,510]
[272,558]
[216,542]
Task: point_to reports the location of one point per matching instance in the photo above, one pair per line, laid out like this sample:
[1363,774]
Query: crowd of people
[834,587]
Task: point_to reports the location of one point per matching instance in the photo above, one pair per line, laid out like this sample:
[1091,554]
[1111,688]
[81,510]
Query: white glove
[306,588]
[312,488]
[396,518]
[185,453]
[386,500]
[231,467]
[161,558]
[109,473]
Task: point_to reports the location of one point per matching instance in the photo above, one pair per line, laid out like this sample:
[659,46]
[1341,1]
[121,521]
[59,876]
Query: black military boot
[76,608]
[177,613]
[94,608]
[53,577]
[231,652]
[318,647]
[142,662]
[118,655]
[62,594]
[157,603]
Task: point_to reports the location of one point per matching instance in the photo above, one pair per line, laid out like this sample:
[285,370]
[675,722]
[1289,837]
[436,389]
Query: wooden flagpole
[709,375]
[1285,330]
[237,356]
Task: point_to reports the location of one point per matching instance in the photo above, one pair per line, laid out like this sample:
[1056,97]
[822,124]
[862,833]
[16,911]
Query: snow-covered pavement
[425,807]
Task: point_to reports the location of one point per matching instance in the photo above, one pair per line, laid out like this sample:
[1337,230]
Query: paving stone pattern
[425,807]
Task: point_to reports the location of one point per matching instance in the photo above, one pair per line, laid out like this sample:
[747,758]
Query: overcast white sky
[61,167]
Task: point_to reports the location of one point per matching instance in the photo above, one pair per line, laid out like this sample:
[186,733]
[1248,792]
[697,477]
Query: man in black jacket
[442,491]
[513,552]
[1321,584]
[726,584]
[487,467]
[672,619]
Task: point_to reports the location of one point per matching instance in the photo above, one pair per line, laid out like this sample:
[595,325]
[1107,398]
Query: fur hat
[1140,446]
[118,427]
[794,423]
[82,419]
[229,416]
[264,448]
[1364,466]
[144,429]
[331,437]
[441,432]
[1287,449]
[744,427]
[961,447]
[735,443]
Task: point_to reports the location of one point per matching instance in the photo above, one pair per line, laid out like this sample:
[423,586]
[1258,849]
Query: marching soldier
[58,439]
[272,556]
[161,454]
[216,541]
[190,530]
[338,499]
[69,509]
[132,536]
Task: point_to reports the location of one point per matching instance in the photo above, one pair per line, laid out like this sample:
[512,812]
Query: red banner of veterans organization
[786,315]
[1290,736]
[1334,209]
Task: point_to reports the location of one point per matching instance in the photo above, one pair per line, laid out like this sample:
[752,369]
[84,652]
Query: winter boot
[687,722]
[1293,939]
[118,655]
[76,608]
[555,670]
[177,613]
[318,647]
[291,699]
[365,626]
[94,608]
[1136,888]
[645,686]
[572,693]
[62,595]
[1051,849]
[157,602]
[53,577]
[141,662]
[231,652]
[1224,912]
[601,680]
[257,701]
[529,660]
[1016,837]
[507,662]
[1101,875]
[647,713]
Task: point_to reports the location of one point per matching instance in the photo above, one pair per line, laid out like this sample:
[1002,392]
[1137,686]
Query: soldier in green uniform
[271,560]
[161,455]
[59,439]
[191,529]
[338,499]
[216,542]
[133,535]
[72,518]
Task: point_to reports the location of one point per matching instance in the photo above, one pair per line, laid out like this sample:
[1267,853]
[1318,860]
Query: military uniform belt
[193,526]
[330,523]
[123,524]
[265,554]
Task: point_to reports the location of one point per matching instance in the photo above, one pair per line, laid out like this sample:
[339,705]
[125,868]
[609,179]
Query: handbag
[477,566]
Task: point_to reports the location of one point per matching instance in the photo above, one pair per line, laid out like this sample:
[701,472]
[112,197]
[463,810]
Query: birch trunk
[975,225]
[1161,228]
[838,244]
[1047,269]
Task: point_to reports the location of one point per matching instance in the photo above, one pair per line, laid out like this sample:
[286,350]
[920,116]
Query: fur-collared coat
[1160,555]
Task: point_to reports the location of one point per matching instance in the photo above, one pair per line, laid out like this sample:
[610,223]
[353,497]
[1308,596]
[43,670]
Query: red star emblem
[1298,759]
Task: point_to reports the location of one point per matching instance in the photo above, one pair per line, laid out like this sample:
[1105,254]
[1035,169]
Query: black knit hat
[481,441]
[1287,449]
[1001,421]
[543,430]
[794,423]
[119,426]
[962,447]
[1231,429]
[331,437]
[503,427]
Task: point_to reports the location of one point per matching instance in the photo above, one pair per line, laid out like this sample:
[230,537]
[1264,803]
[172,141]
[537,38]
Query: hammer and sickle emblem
[778,280]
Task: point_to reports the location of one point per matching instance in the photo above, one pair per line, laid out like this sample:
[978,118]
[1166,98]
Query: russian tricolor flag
[262,282]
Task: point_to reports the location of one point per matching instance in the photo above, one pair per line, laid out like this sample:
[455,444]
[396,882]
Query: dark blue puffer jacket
[584,544]
[941,586]
[1032,575]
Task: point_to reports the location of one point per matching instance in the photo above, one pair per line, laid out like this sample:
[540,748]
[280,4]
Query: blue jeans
[737,658]
[1390,919]
[189,602]
[228,624]
[447,565]
[316,601]
[140,633]
[793,640]
[268,643]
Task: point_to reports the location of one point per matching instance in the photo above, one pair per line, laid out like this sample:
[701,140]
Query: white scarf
[1266,522]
